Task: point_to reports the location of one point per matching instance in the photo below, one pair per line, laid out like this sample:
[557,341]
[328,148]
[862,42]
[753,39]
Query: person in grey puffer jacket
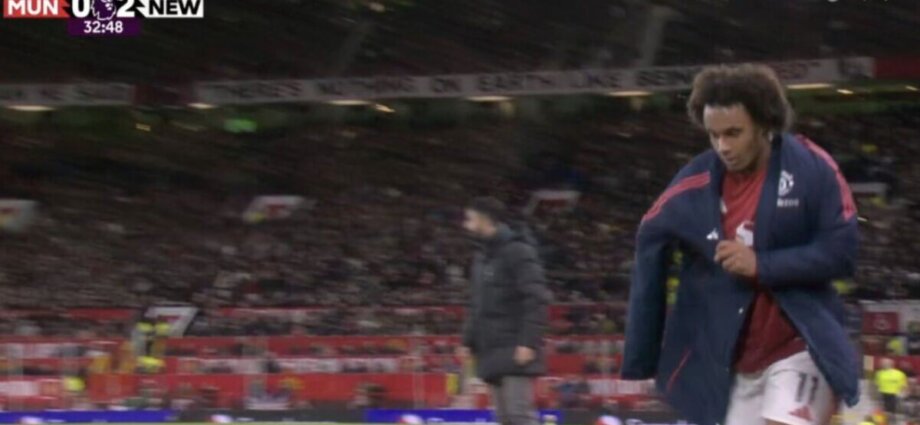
[508,311]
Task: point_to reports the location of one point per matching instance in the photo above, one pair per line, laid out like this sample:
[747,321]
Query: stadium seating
[385,226]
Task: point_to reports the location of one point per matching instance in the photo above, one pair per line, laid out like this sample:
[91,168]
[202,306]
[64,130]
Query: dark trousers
[513,398]
[890,403]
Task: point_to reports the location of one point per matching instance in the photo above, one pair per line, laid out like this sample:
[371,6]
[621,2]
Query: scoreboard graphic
[103,17]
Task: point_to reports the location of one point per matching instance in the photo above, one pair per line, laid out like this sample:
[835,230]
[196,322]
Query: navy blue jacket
[805,236]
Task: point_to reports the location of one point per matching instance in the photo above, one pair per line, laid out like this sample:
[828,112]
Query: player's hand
[737,258]
[524,355]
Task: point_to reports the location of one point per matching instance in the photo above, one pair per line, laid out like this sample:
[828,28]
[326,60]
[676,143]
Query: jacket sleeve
[647,307]
[648,293]
[832,251]
[531,285]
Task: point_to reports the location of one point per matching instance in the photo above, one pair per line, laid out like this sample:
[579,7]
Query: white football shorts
[791,391]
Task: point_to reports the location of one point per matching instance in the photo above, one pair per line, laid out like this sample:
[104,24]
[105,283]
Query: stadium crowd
[384,229]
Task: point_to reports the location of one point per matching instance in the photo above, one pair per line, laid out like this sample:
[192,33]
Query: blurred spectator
[896,346]
[891,384]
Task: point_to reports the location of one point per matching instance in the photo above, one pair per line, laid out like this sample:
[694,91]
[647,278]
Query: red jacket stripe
[846,196]
[692,182]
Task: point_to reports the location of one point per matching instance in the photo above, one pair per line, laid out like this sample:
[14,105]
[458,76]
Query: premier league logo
[102,18]
[104,10]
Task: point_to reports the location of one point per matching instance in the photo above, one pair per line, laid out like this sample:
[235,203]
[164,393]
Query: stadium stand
[379,234]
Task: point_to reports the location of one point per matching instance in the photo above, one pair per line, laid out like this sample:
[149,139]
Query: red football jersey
[767,336]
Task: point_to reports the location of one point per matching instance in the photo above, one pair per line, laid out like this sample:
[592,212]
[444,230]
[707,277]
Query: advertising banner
[88,416]
[317,416]
[890,317]
[392,345]
[446,416]
[89,94]
[399,387]
[556,312]
[509,83]
[630,418]
[881,322]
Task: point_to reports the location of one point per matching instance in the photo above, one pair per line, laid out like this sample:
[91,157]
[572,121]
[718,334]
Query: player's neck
[758,165]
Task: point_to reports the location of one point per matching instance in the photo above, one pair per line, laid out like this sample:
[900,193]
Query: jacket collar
[763,222]
[504,234]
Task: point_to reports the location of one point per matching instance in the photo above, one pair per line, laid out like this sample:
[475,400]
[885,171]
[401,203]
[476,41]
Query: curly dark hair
[756,87]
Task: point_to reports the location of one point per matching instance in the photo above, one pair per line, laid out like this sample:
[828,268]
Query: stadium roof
[304,38]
